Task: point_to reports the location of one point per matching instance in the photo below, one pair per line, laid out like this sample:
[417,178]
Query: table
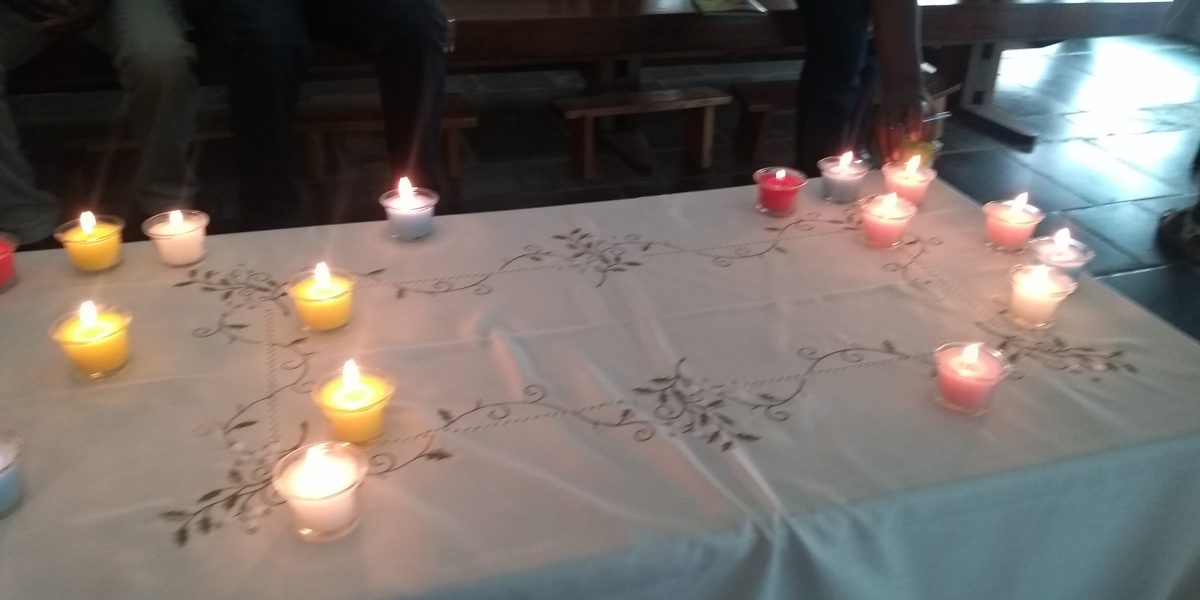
[660,397]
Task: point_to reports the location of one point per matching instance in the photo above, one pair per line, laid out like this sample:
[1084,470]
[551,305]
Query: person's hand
[34,10]
[900,123]
[77,18]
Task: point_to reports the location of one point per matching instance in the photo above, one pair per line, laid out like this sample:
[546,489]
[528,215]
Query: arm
[77,18]
[905,101]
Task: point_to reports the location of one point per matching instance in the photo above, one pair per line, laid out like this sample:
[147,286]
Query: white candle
[319,483]
[908,180]
[1037,291]
[967,373]
[10,476]
[884,219]
[1010,223]
[409,211]
[178,236]
[1062,251]
[841,178]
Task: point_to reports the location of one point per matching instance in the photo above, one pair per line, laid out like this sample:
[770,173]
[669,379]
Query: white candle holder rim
[769,173]
[430,197]
[925,173]
[907,205]
[1067,284]
[196,218]
[126,319]
[1043,248]
[857,168]
[1006,366]
[352,283]
[336,374]
[345,449]
[1003,208]
[61,231]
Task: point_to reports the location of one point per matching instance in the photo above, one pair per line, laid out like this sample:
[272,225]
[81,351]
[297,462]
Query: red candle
[8,270]
[777,189]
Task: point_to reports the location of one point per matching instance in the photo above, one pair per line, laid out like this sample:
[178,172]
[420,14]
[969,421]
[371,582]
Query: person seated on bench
[270,43]
[154,60]
[837,75]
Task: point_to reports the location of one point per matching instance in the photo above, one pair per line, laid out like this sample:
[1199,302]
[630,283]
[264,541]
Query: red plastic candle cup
[8,268]
[777,190]
[967,372]
[1010,223]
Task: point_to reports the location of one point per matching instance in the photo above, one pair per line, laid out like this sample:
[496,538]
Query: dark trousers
[270,44]
[834,82]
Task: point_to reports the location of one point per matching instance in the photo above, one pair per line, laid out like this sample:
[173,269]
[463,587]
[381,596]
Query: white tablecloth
[652,398]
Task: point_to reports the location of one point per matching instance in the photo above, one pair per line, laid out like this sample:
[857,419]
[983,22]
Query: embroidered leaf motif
[726,446]
[437,454]
[748,437]
[235,476]
[175,515]
[181,536]
[237,325]
[445,415]
[781,249]
[889,347]
[205,524]
[376,272]
[645,390]
[184,283]
[209,496]
[230,502]
[243,425]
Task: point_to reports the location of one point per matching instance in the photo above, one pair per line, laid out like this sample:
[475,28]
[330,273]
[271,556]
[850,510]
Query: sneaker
[1179,232]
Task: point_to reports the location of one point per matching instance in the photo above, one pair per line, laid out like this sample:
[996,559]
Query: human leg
[25,211]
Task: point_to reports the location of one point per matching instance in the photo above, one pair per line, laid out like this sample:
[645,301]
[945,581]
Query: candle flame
[87,314]
[913,164]
[780,175]
[405,188]
[970,354]
[888,202]
[846,159]
[321,275]
[175,217]
[87,222]
[351,377]
[1020,202]
[1062,239]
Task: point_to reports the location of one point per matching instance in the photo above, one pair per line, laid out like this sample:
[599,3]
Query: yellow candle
[92,243]
[353,402]
[323,299]
[95,339]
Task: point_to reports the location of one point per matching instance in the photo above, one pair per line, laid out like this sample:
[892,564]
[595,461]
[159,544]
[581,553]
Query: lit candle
[1037,290]
[841,178]
[322,298]
[178,236]
[1011,222]
[966,375]
[8,268]
[95,339]
[353,400]
[884,219]
[777,189]
[409,211]
[10,476]
[92,243]
[1062,251]
[319,483]
[909,180]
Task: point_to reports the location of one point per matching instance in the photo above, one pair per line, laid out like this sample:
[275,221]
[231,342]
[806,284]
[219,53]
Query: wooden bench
[698,104]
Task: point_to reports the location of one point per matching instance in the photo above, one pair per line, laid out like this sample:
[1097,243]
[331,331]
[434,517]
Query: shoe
[1179,232]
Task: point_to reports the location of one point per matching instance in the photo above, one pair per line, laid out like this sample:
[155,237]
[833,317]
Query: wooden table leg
[699,132]
[752,129]
[583,147]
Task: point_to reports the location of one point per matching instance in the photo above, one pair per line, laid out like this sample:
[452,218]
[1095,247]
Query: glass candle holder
[353,400]
[409,213]
[1069,255]
[95,339]
[1010,224]
[8,263]
[320,484]
[841,179]
[10,475]
[323,298]
[777,190]
[1037,292]
[884,219]
[178,236]
[908,180]
[93,244]
[967,373]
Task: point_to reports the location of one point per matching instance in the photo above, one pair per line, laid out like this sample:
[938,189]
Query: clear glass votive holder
[320,484]
[410,218]
[180,242]
[93,252]
[777,190]
[911,186]
[1071,258]
[355,415]
[8,263]
[11,491]
[1037,292]
[323,308]
[1009,227]
[965,384]
[841,184]
[97,350]
[884,219]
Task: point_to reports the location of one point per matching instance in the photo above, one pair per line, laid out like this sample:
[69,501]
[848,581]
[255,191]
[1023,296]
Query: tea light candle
[92,243]
[966,375]
[1062,251]
[1037,291]
[353,400]
[908,180]
[10,476]
[842,177]
[409,211]
[178,236]
[322,298]
[1011,222]
[95,339]
[884,219]
[777,190]
[8,267]
[319,483]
